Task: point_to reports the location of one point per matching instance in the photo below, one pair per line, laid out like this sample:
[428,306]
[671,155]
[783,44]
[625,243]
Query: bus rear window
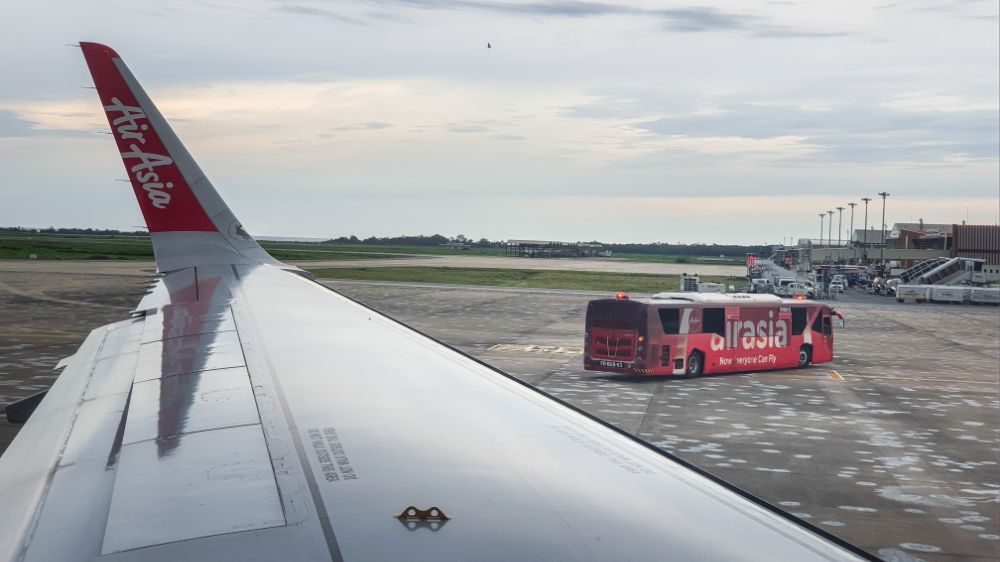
[618,314]
[670,318]
[713,321]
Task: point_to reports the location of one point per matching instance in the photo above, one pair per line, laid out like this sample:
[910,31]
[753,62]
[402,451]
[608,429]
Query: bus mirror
[843,321]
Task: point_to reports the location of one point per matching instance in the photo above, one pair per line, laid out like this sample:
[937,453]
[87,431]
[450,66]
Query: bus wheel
[695,365]
[805,356]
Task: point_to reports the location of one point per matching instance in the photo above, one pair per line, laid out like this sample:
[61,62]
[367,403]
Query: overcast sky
[615,120]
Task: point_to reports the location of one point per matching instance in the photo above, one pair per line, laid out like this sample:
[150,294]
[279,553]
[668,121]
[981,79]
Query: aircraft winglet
[168,204]
[188,221]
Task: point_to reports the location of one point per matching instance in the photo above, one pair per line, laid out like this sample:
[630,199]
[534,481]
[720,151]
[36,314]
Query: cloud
[915,129]
[568,8]
[13,126]
[368,126]
[299,9]
[467,129]
[702,19]
[692,19]
[792,33]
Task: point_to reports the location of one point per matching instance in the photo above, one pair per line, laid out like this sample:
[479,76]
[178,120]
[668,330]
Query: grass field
[535,279]
[65,248]
[83,247]
[47,247]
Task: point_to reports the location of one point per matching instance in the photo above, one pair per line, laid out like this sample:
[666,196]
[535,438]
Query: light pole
[850,231]
[821,217]
[865,244]
[883,195]
[829,234]
[840,223]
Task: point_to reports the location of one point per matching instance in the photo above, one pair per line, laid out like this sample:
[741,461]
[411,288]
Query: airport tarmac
[893,446]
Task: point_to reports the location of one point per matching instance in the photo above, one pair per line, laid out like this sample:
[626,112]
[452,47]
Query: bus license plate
[612,364]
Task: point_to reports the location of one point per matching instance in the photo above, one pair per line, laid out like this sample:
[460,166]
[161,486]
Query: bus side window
[798,321]
[713,321]
[827,324]
[670,318]
[818,322]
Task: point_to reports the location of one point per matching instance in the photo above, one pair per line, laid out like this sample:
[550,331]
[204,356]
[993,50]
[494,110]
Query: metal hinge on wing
[430,514]
[431,518]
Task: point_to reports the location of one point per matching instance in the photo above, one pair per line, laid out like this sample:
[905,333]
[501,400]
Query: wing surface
[245,412]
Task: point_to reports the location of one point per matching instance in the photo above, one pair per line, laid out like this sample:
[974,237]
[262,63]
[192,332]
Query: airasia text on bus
[694,333]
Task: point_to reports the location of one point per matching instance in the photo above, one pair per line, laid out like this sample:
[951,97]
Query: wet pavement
[893,446]
[46,316]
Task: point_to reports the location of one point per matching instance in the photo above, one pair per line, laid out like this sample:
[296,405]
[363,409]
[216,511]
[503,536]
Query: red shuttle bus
[693,333]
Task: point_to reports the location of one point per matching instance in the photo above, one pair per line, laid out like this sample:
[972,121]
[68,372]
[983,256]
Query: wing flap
[172,406]
[212,482]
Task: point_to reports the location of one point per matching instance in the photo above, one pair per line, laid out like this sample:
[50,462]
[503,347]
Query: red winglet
[168,204]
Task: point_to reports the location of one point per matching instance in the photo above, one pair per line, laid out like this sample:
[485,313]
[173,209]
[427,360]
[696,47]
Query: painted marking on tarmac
[835,375]
[992,383]
[551,349]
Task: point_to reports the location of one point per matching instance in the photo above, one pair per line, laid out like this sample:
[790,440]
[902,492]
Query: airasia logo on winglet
[128,128]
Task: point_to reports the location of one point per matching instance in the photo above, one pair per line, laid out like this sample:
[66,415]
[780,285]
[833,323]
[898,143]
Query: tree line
[87,231]
[656,248]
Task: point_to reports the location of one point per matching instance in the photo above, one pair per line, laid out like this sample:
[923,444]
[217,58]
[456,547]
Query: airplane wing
[245,412]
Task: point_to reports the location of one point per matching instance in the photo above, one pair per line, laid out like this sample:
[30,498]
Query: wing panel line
[321,511]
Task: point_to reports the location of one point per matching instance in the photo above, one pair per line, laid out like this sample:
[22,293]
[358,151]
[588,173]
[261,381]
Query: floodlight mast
[840,224]
[865,243]
[850,231]
[882,254]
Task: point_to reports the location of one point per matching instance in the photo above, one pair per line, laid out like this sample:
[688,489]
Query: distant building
[870,237]
[551,249]
[929,229]
[977,241]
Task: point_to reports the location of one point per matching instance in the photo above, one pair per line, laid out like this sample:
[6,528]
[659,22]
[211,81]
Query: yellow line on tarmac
[835,375]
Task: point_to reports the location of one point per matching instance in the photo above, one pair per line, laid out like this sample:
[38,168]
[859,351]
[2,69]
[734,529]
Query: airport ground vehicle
[781,286]
[791,288]
[800,289]
[948,294]
[918,293]
[761,286]
[690,334]
[837,286]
